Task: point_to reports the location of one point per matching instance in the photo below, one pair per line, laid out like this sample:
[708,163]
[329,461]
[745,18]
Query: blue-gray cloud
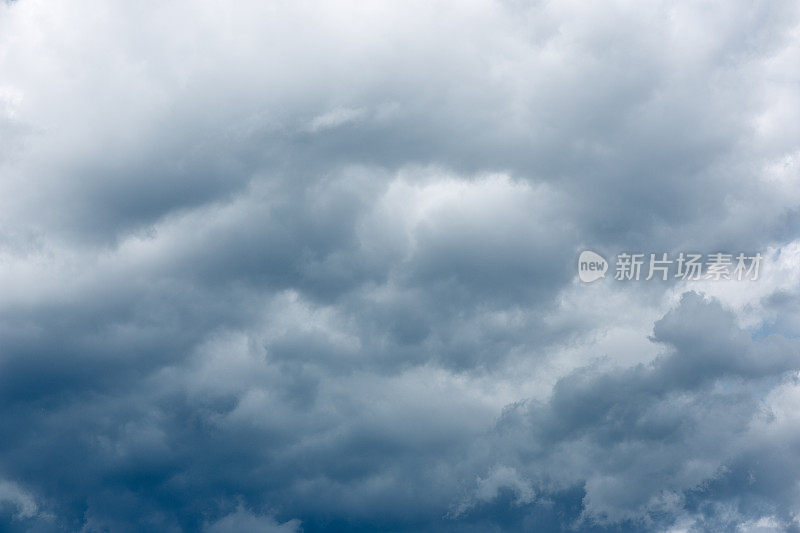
[294,267]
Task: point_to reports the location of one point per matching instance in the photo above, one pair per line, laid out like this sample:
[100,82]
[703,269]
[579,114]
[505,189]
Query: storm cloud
[310,266]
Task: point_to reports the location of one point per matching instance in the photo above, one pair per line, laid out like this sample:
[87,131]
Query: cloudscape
[277,266]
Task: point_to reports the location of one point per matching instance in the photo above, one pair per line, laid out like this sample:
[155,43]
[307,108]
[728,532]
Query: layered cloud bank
[294,266]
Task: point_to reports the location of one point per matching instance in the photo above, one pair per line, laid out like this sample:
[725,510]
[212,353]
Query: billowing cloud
[292,266]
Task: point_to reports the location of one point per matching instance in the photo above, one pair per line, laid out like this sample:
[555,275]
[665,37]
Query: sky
[294,266]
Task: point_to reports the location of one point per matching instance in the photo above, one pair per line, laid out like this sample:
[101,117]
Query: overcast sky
[312,266]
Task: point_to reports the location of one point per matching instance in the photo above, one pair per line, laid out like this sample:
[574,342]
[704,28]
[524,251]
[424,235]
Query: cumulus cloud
[279,266]
[652,440]
[22,503]
[243,522]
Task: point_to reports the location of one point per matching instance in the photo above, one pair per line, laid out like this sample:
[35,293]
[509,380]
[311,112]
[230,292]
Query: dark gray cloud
[647,441]
[284,267]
